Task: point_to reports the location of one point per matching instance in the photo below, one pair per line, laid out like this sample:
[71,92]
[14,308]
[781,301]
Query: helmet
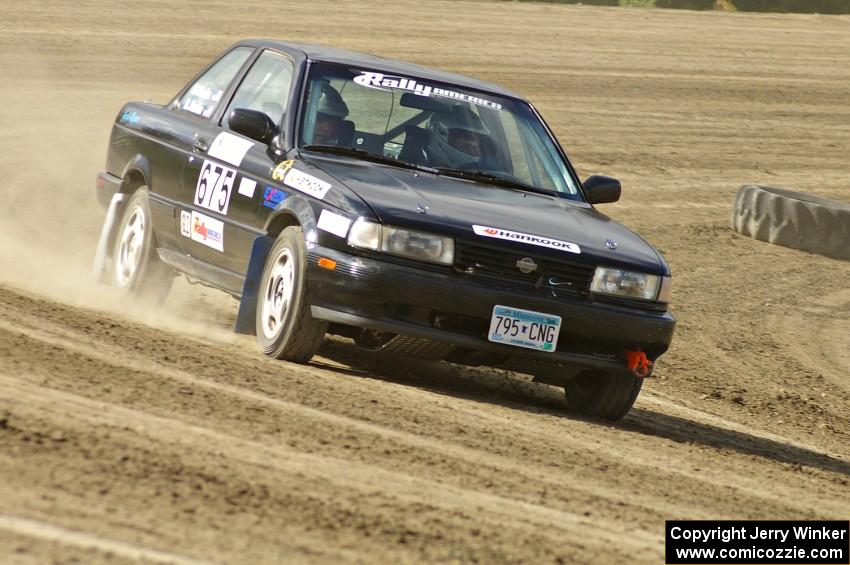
[330,112]
[455,137]
[331,102]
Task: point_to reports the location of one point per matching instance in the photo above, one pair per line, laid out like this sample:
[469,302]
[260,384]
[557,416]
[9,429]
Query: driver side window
[204,95]
[265,87]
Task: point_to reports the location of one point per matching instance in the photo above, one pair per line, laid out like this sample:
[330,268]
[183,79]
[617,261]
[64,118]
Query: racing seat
[491,159]
[415,141]
[345,138]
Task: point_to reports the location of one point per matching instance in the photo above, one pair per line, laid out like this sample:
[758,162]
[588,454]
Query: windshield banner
[380,81]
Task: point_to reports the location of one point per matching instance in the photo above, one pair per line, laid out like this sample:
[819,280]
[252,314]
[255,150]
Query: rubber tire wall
[793,219]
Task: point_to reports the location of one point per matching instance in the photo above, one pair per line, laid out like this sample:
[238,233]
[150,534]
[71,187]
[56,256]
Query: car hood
[452,206]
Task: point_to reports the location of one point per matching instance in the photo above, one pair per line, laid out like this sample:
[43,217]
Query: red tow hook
[638,364]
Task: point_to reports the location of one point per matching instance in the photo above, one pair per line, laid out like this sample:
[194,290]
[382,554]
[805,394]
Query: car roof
[327,54]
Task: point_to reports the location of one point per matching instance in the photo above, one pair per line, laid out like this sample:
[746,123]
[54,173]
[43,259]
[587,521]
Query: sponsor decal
[130,117]
[229,148]
[380,81]
[215,183]
[299,180]
[185,223]
[208,231]
[246,187]
[279,172]
[203,91]
[333,223]
[499,233]
[201,100]
[194,106]
[272,197]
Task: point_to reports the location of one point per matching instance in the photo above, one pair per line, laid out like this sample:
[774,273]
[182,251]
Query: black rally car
[413,210]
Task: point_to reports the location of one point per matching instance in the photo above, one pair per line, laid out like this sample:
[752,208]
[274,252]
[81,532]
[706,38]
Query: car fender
[294,209]
[138,165]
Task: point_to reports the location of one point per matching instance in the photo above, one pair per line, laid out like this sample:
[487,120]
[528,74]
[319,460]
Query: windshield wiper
[485,177]
[473,175]
[367,156]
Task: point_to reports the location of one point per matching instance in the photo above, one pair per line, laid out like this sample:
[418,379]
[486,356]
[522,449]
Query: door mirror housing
[253,124]
[277,145]
[601,189]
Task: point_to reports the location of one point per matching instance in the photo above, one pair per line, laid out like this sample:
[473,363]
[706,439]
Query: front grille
[564,277]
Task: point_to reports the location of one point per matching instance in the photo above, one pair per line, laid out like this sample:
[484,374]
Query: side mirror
[253,124]
[600,189]
[276,144]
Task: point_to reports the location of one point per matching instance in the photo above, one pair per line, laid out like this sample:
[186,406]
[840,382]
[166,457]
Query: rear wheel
[285,328]
[136,268]
[602,394]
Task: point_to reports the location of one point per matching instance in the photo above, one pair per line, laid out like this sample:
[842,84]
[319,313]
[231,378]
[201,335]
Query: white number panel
[215,184]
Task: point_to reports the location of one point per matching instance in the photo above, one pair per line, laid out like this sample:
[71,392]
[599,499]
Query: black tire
[602,394]
[285,328]
[793,219]
[136,267]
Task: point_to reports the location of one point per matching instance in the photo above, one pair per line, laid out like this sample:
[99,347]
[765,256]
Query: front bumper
[451,307]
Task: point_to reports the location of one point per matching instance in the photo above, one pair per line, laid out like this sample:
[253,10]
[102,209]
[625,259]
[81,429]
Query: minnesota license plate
[524,328]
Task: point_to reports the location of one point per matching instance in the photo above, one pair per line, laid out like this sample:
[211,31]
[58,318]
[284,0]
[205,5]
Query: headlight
[402,242]
[366,235]
[627,284]
[666,291]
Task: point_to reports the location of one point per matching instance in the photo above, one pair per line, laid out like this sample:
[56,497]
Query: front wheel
[285,328]
[136,268]
[603,394]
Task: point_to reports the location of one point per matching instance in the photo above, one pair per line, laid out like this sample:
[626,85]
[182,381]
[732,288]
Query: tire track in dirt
[405,441]
[434,454]
[62,536]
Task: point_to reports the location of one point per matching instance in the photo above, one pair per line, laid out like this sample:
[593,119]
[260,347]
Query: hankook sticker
[499,233]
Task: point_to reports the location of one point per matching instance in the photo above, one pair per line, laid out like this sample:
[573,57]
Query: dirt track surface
[128,435]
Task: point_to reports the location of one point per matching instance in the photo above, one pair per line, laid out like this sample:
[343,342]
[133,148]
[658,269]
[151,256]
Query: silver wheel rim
[277,297]
[131,248]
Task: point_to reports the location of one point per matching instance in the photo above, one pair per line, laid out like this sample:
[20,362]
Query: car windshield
[446,128]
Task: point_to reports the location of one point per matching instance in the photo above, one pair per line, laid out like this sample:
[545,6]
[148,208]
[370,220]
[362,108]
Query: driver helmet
[457,137]
[330,112]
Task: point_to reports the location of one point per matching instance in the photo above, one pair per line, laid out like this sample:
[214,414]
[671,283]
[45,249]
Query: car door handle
[201,144]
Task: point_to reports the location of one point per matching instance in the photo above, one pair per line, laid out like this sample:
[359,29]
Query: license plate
[524,328]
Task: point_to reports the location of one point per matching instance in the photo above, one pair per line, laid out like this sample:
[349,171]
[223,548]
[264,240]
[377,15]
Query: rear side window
[265,87]
[204,95]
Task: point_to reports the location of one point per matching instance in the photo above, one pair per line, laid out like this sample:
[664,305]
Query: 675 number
[215,184]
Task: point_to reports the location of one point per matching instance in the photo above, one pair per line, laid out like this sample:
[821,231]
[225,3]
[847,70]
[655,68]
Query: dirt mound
[127,434]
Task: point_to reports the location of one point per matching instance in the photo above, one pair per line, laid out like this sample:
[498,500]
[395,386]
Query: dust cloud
[54,143]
